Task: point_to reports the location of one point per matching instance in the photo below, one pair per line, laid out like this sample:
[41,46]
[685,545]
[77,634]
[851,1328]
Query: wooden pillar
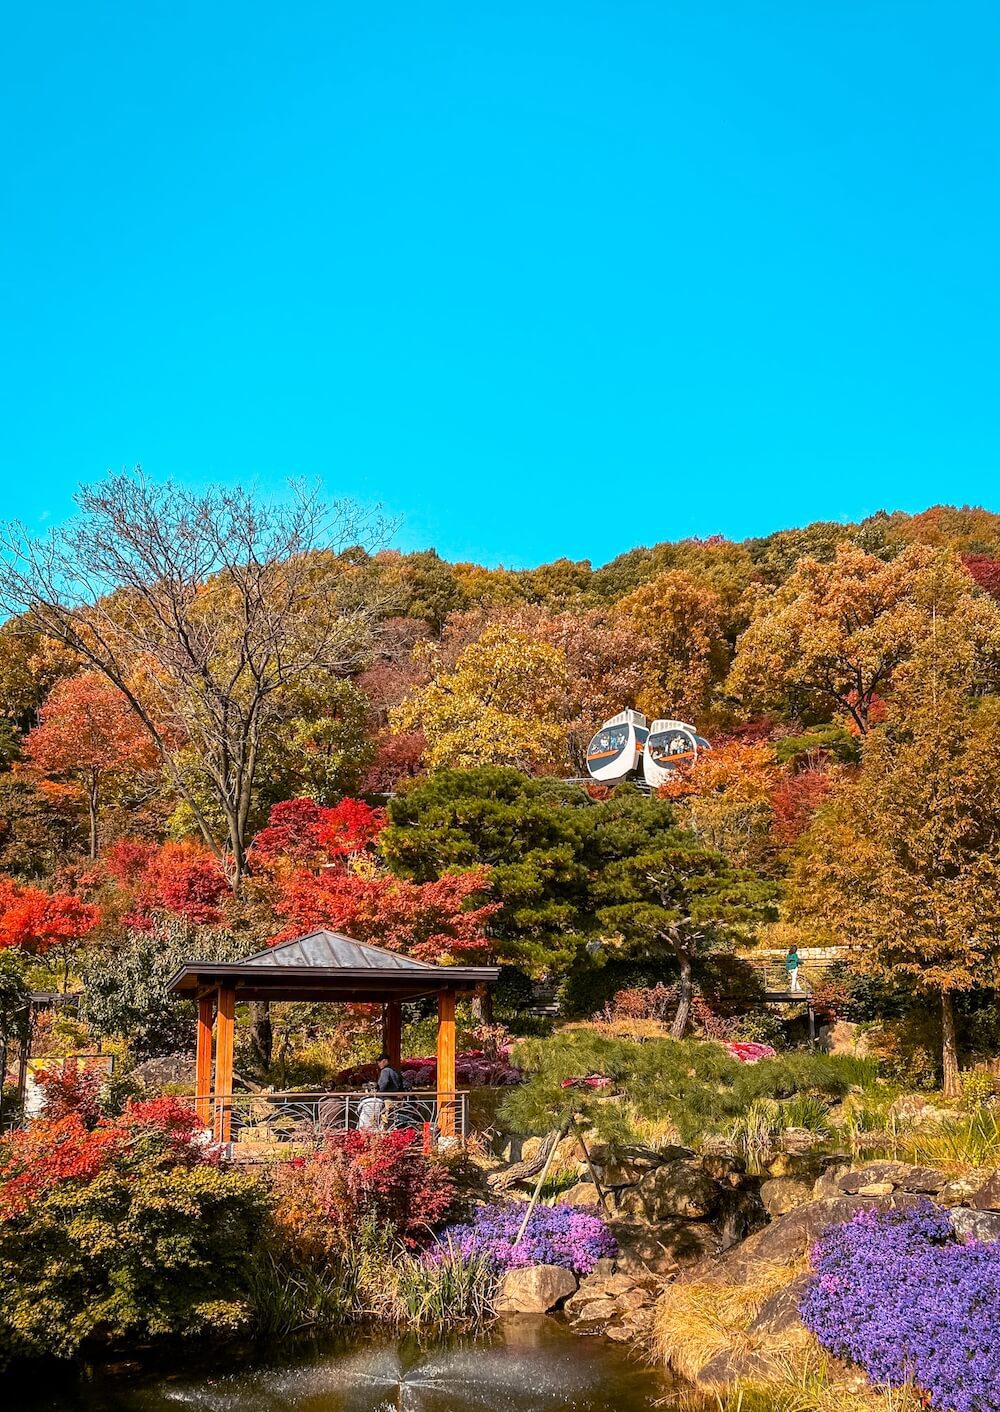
[392,1032]
[224,1039]
[446,1063]
[203,1059]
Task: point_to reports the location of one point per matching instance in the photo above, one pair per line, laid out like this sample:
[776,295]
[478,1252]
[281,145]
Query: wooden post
[446,1063]
[203,1059]
[224,1038]
[392,1032]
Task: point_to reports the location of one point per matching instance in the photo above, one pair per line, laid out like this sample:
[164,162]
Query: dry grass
[819,1387]
[695,1322]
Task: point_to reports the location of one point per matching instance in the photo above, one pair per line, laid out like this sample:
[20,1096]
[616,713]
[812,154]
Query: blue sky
[543,278]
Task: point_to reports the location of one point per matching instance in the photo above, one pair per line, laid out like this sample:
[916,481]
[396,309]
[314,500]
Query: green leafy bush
[696,1085]
[121,1233]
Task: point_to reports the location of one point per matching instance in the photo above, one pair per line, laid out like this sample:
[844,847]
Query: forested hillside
[221,723]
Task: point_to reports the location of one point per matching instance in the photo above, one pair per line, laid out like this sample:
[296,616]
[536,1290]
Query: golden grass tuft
[695,1322]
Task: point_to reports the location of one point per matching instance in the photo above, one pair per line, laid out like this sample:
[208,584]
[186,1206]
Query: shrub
[555,1235]
[895,1292]
[699,1087]
[357,1177]
[125,1231]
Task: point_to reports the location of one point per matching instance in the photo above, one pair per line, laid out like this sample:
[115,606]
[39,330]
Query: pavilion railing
[307,1119]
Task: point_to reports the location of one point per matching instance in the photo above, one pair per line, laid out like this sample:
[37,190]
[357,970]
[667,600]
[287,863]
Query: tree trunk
[92,808]
[949,1048]
[685,992]
[482,1007]
[261,1033]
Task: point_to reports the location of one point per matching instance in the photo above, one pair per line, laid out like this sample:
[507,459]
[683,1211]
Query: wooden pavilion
[323,965]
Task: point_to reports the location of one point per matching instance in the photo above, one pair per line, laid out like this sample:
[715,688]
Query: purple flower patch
[895,1292]
[555,1235]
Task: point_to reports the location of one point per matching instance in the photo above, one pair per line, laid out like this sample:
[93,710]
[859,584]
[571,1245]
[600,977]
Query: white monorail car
[615,750]
[670,745]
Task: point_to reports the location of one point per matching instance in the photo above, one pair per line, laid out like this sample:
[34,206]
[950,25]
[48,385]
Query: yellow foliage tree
[836,633]
[727,802]
[680,619]
[501,704]
[904,865]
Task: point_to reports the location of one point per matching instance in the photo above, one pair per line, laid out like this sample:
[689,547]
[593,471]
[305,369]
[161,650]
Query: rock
[987,1198]
[853,1180]
[781,1310]
[975,1225]
[597,1311]
[155,1074]
[781,1194]
[734,1365]
[877,1189]
[960,1192]
[664,1249]
[715,1145]
[583,1194]
[828,1183]
[740,1213]
[724,1170]
[627,1166]
[679,1188]
[535,1289]
[915,1110]
[789,1237]
[800,1140]
[842,1037]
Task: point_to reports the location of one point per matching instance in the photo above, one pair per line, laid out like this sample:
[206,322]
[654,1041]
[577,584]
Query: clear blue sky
[545,278]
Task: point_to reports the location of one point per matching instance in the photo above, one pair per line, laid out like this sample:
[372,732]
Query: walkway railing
[307,1119]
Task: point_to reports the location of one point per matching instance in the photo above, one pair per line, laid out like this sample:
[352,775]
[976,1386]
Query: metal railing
[307,1119]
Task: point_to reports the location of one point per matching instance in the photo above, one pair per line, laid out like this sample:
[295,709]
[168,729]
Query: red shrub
[69,1089]
[358,1177]
[51,1151]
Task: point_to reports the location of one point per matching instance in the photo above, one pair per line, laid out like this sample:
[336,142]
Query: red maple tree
[302,833]
[184,879]
[437,922]
[87,730]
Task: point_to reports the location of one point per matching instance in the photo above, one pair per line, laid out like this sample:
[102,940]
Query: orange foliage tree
[38,922]
[438,922]
[87,730]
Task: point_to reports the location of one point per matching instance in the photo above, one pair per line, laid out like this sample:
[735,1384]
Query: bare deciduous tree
[201,609]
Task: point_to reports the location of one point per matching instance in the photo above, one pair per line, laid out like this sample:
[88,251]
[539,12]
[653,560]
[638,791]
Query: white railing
[309,1118]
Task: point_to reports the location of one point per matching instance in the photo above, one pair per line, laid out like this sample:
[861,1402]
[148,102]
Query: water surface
[528,1364]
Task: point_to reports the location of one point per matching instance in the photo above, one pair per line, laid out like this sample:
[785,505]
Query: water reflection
[527,1365]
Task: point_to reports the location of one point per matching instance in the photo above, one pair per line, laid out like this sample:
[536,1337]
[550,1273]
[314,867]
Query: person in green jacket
[792,967]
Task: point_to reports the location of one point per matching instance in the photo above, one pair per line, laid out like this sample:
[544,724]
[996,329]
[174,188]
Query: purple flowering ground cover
[556,1235]
[896,1292]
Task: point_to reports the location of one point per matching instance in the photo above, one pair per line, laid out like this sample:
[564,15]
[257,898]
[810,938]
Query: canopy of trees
[222,721]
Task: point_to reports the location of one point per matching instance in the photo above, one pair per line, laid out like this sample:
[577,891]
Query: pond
[528,1364]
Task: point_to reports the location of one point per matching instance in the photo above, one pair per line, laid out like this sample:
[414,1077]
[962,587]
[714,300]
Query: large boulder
[788,1238]
[582,1194]
[783,1194]
[624,1166]
[987,1198]
[680,1188]
[975,1225]
[664,1249]
[894,1174]
[535,1290]
[780,1311]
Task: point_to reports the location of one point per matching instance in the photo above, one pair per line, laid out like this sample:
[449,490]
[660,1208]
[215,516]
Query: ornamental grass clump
[555,1235]
[897,1293]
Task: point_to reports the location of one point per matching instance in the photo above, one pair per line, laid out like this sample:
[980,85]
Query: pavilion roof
[327,965]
